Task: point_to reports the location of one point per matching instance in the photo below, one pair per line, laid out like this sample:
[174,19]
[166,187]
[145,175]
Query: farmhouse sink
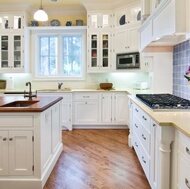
[20,103]
[54,90]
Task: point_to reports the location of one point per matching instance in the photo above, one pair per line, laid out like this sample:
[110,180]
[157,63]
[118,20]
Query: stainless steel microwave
[128,60]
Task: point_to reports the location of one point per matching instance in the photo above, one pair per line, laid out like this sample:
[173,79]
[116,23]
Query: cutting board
[2,84]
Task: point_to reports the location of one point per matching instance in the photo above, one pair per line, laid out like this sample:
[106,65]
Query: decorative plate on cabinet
[122,20]
[139,16]
[55,22]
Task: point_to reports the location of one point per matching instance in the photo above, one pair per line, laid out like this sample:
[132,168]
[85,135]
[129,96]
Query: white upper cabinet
[11,21]
[99,20]
[127,39]
[128,15]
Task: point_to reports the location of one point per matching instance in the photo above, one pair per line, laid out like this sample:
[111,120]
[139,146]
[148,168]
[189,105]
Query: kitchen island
[161,140]
[30,140]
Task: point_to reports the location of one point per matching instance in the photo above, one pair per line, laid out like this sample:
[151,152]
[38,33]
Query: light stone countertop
[180,119]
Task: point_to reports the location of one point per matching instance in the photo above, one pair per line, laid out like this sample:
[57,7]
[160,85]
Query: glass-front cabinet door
[99,51]
[99,21]
[11,21]
[5,46]
[11,51]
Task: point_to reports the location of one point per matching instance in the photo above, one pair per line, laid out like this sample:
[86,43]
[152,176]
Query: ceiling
[58,3]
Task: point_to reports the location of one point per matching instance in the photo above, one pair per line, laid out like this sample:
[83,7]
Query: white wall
[119,80]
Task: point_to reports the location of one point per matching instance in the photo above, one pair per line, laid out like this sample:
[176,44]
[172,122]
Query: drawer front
[183,173]
[145,139]
[142,156]
[137,146]
[86,96]
[142,116]
[67,97]
[145,162]
[16,121]
[184,145]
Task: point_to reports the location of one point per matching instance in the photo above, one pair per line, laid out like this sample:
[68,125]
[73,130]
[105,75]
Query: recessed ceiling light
[54,0]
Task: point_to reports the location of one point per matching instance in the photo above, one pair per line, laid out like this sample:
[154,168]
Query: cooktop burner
[164,101]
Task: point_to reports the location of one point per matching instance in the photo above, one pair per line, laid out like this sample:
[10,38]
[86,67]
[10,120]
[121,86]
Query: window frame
[36,34]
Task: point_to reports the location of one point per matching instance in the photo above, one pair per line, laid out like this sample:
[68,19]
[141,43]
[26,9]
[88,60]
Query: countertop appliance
[164,101]
[140,85]
[128,60]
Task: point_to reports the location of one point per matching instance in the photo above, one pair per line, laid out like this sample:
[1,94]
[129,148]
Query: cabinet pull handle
[144,118]
[136,110]
[136,145]
[10,139]
[4,139]
[187,183]
[187,150]
[85,96]
[143,137]
[154,125]
[136,125]
[143,159]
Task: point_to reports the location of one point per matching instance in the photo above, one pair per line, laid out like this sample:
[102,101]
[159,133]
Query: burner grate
[164,101]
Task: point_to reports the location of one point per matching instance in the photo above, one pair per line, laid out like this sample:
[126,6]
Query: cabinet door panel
[121,103]
[20,153]
[4,152]
[86,112]
[56,137]
[183,174]
[107,108]
[66,115]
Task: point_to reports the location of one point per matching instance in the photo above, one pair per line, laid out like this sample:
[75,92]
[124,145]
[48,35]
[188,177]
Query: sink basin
[20,104]
[54,90]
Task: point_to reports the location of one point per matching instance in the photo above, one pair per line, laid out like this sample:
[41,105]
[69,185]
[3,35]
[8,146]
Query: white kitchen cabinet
[86,108]
[66,116]
[114,108]
[16,148]
[99,51]
[127,39]
[129,14]
[152,144]
[11,57]
[183,162]
[11,21]
[99,20]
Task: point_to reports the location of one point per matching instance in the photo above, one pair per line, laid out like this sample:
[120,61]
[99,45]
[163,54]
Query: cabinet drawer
[137,146]
[183,173]
[86,96]
[143,135]
[145,162]
[142,116]
[184,145]
[67,97]
[16,121]
[142,156]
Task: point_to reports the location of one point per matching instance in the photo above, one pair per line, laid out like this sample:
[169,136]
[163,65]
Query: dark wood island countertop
[39,104]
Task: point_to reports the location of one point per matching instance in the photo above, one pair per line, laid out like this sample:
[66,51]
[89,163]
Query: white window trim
[35,53]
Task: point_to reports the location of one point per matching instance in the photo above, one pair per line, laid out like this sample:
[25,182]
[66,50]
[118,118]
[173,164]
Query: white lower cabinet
[30,145]
[114,108]
[152,144]
[182,164]
[86,108]
[16,148]
[66,117]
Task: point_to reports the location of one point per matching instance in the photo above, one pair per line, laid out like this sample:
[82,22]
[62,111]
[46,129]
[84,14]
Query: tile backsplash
[181,63]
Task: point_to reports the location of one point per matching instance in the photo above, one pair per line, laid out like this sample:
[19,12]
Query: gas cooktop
[164,101]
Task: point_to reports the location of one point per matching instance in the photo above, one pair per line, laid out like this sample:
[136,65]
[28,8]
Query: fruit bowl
[106,85]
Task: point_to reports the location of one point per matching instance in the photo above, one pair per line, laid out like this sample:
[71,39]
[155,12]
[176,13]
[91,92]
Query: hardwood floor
[97,159]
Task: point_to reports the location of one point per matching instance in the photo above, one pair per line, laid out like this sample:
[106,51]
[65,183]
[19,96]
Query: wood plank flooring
[97,159]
